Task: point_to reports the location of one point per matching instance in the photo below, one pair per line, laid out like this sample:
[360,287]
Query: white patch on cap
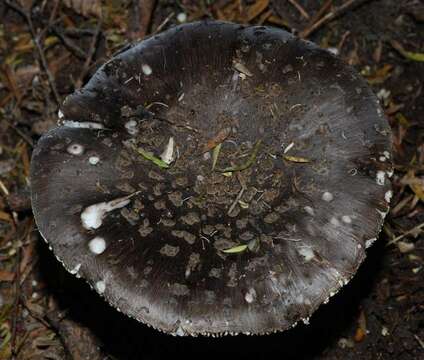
[382,213]
[75,269]
[334,221]
[250,295]
[382,158]
[309,210]
[346,219]
[82,124]
[75,149]
[131,127]
[369,242]
[60,114]
[97,245]
[93,160]
[101,286]
[168,154]
[390,173]
[333,50]
[388,196]
[380,177]
[147,70]
[182,17]
[92,216]
[386,154]
[180,331]
[307,253]
[327,196]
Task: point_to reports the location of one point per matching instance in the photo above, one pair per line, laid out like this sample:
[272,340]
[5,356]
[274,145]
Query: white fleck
[382,158]
[333,50]
[93,160]
[101,286]
[369,242]
[307,253]
[386,154]
[92,216]
[34,295]
[82,124]
[390,173]
[34,283]
[306,321]
[380,177]
[131,127]
[250,295]
[60,114]
[385,331]
[75,269]
[359,246]
[334,221]
[383,94]
[180,331]
[97,245]
[206,156]
[168,154]
[288,147]
[181,97]
[382,213]
[200,178]
[327,196]
[309,210]
[75,149]
[182,17]
[388,196]
[147,70]
[346,219]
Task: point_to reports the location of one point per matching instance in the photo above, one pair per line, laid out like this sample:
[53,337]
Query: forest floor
[50,48]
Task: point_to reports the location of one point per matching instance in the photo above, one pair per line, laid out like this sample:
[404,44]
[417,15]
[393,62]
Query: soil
[47,313]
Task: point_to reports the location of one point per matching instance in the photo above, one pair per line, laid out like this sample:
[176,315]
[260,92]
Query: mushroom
[216,179]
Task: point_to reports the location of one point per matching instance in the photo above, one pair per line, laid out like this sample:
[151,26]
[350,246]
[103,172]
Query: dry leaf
[256,9]
[296,159]
[415,183]
[217,139]
[85,7]
[235,249]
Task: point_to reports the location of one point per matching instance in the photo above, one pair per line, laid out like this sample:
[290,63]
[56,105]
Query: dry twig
[35,39]
[348,5]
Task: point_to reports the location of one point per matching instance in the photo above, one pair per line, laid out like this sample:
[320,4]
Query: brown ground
[47,314]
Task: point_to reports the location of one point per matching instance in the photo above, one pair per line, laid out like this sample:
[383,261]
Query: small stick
[299,8]
[320,13]
[164,22]
[238,197]
[400,237]
[91,53]
[349,4]
[75,49]
[16,303]
[140,18]
[35,39]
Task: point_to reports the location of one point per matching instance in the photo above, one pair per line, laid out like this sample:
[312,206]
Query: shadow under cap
[152,236]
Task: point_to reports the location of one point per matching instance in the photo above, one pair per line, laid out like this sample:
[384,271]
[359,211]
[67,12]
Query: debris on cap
[216,179]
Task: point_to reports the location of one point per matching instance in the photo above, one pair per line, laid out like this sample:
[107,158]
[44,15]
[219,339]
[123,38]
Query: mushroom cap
[186,249]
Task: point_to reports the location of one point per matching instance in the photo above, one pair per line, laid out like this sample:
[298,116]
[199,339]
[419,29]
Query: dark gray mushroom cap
[125,194]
